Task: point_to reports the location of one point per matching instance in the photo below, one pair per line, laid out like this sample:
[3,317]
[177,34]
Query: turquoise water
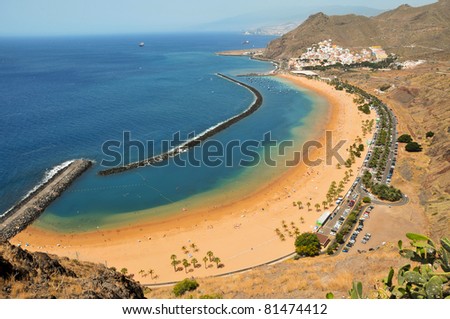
[63,98]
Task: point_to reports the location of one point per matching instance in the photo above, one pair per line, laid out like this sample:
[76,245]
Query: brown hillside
[407,31]
[39,275]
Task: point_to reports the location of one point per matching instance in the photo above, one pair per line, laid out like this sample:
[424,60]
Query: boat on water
[246,42]
[141,44]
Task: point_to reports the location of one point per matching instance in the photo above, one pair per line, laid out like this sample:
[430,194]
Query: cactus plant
[427,278]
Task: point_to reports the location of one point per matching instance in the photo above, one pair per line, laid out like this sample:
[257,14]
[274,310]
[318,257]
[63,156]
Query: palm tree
[194,262]
[324,203]
[302,220]
[205,260]
[317,206]
[173,257]
[175,263]
[350,171]
[194,247]
[308,204]
[186,264]
[151,272]
[142,273]
[184,249]
[300,205]
[338,166]
[210,254]
[124,271]
[217,261]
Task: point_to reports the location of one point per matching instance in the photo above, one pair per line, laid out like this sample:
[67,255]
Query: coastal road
[357,191]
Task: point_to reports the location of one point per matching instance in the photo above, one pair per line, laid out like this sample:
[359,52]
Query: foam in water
[47,176]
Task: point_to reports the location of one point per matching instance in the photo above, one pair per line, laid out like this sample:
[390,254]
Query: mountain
[411,32]
[275,18]
[39,275]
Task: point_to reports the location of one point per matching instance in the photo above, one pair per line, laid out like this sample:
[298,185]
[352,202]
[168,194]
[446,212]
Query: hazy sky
[57,17]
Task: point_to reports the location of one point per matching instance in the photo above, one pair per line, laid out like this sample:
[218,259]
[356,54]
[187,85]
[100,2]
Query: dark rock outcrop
[38,275]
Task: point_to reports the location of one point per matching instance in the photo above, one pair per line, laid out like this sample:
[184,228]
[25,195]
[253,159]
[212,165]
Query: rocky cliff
[39,275]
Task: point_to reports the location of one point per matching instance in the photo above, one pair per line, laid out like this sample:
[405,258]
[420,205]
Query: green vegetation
[382,144]
[429,134]
[331,248]
[307,244]
[184,286]
[386,192]
[385,87]
[383,191]
[427,278]
[413,147]
[346,228]
[366,200]
[405,138]
[387,63]
[365,108]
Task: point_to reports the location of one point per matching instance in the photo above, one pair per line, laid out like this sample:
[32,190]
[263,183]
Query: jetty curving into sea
[31,206]
[197,139]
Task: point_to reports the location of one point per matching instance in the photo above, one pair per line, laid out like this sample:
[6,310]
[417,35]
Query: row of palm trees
[367,127]
[308,204]
[291,231]
[149,272]
[209,258]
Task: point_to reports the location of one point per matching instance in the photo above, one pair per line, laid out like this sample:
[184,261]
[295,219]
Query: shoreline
[230,231]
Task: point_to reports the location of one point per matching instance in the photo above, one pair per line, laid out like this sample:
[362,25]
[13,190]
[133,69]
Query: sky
[73,17]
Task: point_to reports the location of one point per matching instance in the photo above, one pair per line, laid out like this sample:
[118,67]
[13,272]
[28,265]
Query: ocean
[63,98]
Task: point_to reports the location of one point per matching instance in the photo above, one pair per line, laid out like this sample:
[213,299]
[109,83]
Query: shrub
[183,286]
[426,277]
[364,108]
[340,238]
[429,134]
[366,200]
[332,248]
[385,192]
[307,244]
[413,147]
[385,87]
[405,138]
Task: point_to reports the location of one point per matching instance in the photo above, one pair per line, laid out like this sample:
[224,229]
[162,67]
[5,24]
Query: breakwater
[34,203]
[197,139]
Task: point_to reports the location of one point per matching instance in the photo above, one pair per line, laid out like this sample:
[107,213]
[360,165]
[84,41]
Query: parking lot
[386,224]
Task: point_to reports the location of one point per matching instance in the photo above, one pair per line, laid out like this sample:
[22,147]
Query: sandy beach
[241,234]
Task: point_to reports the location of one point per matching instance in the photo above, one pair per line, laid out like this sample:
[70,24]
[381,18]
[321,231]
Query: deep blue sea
[62,98]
